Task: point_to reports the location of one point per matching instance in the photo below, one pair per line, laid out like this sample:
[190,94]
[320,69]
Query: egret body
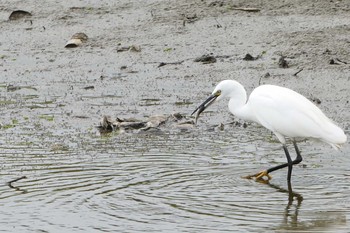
[283,111]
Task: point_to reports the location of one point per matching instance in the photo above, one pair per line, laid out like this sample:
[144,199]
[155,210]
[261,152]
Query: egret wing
[286,112]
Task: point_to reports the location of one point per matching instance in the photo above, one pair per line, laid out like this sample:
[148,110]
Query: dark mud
[139,61]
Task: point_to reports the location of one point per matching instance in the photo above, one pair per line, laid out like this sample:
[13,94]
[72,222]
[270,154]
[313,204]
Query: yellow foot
[260,177]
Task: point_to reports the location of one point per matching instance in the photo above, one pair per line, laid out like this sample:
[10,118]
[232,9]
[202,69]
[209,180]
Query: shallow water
[184,181]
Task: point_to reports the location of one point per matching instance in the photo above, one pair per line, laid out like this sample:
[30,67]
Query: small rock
[106,124]
[216,3]
[135,48]
[282,63]
[89,87]
[316,100]
[337,61]
[177,116]
[19,14]
[76,40]
[11,87]
[206,59]
[80,36]
[132,48]
[189,19]
[327,51]
[249,57]
[267,75]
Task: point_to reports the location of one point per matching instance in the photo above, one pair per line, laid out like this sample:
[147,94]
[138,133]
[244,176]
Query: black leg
[298,159]
[289,163]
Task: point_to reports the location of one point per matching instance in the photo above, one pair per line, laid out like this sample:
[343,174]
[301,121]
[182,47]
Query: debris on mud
[176,120]
[9,183]
[327,51]
[132,48]
[108,124]
[89,87]
[76,40]
[229,6]
[248,9]
[170,63]
[216,3]
[282,63]
[249,57]
[332,62]
[267,75]
[206,59]
[238,124]
[315,100]
[189,19]
[11,87]
[296,73]
[337,61]
[19,14]
[157,123]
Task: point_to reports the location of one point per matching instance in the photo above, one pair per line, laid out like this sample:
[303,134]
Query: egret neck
[237,104]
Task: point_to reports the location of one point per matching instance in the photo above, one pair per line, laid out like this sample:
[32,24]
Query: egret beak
[211,99]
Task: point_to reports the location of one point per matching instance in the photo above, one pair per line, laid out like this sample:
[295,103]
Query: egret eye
[217,93]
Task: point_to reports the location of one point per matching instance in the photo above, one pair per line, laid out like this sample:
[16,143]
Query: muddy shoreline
[131,83]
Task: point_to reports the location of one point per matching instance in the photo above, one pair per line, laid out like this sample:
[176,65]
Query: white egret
[283,111]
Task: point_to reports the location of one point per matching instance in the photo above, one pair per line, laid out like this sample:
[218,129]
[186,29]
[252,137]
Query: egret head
[226,88]
[222,90]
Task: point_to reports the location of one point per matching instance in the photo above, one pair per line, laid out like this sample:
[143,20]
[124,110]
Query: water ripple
[173,181]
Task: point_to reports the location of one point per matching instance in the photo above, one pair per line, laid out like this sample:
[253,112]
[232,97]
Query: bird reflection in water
[315,221]
[291,211]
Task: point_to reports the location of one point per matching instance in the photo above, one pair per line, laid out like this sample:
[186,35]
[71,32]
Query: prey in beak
[211,99]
